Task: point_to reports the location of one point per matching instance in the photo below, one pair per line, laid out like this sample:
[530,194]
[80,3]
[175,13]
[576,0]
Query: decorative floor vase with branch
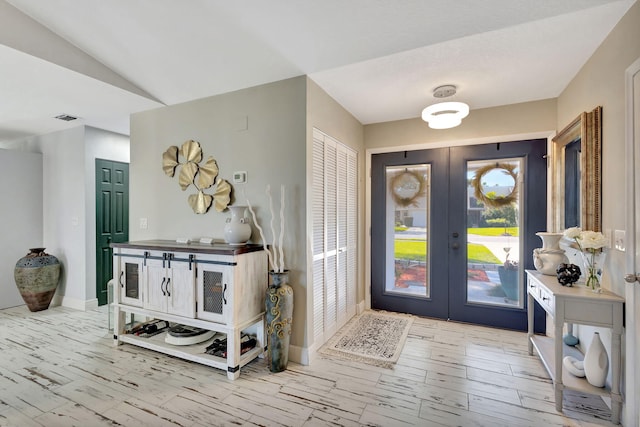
[37,275]
[279,316]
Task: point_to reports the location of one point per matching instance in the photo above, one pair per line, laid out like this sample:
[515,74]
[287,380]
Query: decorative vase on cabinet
[596,362]
[37,275]
[547,258]
[279,316]
[237,231]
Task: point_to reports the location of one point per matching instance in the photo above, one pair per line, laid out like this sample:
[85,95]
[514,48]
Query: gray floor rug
[375,338]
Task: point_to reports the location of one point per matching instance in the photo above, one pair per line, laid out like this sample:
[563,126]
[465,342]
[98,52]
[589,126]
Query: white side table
[578,305]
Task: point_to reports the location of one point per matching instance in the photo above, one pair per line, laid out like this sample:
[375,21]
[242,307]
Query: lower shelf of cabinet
[195,353]
[545,346]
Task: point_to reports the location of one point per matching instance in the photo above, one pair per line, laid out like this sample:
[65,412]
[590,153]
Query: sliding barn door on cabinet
[335,220]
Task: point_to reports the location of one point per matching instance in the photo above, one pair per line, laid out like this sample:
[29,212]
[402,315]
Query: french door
[453,230]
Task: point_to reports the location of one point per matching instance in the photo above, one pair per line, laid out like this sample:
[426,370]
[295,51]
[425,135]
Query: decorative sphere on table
[568,274]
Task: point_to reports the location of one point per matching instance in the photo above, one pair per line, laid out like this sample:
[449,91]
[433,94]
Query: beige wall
[601,82]
[271,148]
[524,118]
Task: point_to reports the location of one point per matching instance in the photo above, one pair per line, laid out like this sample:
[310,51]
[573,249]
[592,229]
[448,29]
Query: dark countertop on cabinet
[192,247]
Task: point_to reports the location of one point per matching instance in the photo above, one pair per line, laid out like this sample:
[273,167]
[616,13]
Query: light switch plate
[143,223]
[619,240]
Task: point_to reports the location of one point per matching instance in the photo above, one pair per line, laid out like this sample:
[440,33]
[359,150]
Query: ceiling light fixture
[445,115]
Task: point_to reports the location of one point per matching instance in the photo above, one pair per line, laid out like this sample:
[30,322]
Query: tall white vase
[596,362]
[237,231]
[547,258]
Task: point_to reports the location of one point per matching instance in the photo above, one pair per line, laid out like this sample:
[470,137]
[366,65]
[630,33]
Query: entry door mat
[375,338]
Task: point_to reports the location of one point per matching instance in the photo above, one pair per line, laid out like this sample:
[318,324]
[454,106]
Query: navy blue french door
[453,230]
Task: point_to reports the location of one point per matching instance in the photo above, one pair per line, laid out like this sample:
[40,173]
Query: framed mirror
[577,173]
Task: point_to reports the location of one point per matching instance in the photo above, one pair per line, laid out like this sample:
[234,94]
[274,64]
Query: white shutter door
[334,210]
[317,211]
[331,234]
[341,279]
[352,231]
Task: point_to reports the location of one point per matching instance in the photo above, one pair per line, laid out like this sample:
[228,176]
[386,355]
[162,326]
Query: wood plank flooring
[59,368]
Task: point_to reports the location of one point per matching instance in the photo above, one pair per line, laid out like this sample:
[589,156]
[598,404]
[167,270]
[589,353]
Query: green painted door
[112,218]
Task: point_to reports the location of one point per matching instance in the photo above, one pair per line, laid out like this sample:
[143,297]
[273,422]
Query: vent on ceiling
[65,117]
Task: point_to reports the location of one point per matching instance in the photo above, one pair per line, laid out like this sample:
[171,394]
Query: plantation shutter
[334,224]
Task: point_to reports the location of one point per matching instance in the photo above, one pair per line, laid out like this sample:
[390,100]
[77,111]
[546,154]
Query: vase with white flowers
[591,245]
[279,295]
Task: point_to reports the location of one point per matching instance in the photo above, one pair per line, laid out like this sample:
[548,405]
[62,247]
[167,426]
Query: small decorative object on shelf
[568,274]
[547,258]
[574,366]
[596,362]
[37,275]
[237,231]
[279,295]
[569,338]
[591,245]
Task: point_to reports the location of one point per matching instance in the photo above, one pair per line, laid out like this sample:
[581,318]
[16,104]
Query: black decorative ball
[568,274]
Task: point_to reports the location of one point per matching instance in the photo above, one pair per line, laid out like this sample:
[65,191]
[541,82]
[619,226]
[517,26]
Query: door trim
[631,413]
[440,144]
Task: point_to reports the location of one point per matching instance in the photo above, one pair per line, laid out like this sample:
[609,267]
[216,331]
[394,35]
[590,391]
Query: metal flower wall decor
[202,176]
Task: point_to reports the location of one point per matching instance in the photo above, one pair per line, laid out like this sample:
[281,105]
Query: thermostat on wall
[239,177]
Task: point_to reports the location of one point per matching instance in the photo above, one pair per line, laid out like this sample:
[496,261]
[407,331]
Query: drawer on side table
[546,299]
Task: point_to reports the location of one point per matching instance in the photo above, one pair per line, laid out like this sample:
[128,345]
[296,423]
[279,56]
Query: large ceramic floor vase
[37,275]
[279,316]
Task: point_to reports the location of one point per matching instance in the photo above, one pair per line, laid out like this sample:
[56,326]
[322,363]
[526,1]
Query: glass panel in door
[494,194]
[407,229]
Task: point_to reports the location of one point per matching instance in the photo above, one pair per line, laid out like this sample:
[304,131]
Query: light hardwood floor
[59,368]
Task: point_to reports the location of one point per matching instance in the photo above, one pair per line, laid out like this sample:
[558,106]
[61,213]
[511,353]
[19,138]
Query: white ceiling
[381,59]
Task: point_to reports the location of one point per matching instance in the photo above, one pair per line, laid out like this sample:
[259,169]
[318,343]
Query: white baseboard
[361,307]
[299,354]
[76,304]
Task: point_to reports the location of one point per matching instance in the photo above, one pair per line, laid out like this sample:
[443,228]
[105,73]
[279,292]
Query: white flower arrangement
[590,244]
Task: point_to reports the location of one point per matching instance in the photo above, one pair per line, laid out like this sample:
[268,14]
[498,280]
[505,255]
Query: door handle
[631,278]
[455,246]
[224,292]
[167,287]
[162,287]
[121,282]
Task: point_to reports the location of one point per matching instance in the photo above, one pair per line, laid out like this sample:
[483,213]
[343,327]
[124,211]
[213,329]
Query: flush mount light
[445,115]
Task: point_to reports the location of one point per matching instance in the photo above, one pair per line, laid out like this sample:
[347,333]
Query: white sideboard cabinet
[211,286]
[578,305]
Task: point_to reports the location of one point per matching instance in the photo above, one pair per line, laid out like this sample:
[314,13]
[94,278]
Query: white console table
[579,305]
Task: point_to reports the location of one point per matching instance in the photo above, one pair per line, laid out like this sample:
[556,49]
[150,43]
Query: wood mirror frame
[588,128]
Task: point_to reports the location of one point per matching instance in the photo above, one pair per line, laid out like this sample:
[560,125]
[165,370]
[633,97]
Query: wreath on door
[495,201]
